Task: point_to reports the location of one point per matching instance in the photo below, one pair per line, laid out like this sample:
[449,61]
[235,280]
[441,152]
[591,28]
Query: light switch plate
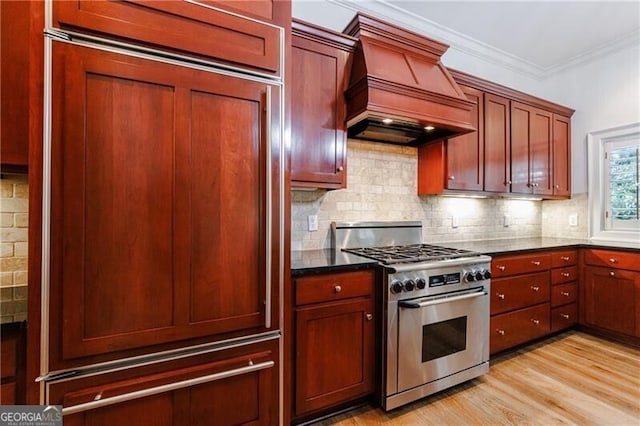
[507,220]
[313,222]
[573,220]
[455,221]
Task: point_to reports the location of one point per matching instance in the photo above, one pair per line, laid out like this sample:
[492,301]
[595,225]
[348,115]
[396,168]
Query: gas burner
[409,253]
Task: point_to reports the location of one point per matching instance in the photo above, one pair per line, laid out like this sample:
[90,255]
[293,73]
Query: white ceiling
[539,37]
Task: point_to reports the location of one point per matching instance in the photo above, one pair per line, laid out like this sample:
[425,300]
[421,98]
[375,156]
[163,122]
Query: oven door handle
[417,305]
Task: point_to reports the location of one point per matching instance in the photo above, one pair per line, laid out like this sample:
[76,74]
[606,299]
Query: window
[613,182]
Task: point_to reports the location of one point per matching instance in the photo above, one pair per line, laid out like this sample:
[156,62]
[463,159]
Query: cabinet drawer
[563,294]
[518,292]
[564,275]
[326,288]
[513,328]
[512,265]
[8,393]
[564,316]
[613,259]
[182,27]
[564,258]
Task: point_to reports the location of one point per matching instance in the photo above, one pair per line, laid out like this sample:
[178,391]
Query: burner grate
[409,253]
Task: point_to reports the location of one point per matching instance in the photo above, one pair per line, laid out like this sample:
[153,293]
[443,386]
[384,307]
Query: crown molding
[473,47]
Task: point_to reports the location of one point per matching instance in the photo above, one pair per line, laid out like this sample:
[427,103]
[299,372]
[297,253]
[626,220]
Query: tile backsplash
[381,185]
[14,218]
[556,214]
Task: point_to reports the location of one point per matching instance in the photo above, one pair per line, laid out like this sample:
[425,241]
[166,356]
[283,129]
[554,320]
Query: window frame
[597,185]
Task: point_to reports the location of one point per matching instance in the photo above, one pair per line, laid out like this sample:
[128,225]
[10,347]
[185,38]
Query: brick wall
[381,185]
[14,205]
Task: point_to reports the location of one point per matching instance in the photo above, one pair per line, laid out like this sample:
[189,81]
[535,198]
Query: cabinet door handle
[535,288]
[500,332]
[502,268]
[536,262]
[452,177]
[613,274]
[565,274]
[565,258]
[507,183]
[500,296]
[564,293]
[340,168]
[337,289]
[565,316]
[612,260]
[369,317]
[535,321]
[557,186]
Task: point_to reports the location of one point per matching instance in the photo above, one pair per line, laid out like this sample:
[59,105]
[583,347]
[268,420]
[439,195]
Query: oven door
[441,335]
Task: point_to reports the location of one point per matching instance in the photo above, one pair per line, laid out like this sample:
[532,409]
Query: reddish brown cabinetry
[12,364]
[457,163]
[497,152]
[203,29]
[520,296]
[135,138]
[564,289]
[561,156]
[611,291]
[231,387]
[334,340]
[318,134]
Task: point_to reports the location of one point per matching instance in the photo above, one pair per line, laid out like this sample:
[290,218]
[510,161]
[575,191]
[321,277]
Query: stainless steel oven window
[444,338]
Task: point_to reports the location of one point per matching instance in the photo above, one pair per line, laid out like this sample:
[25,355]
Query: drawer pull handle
[564,293]
[565,258]
[535,288]
[452,177]
[565,316]
[565,274]
[613,274]
[535,321]
[536,262]
[337,289]
[369,317]
[340,168]
[500,332]
[612,260]
[500,296]
[501,267]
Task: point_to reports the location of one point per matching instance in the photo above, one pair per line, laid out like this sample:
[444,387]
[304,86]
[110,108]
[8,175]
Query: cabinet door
[334,354]
[318,133]
[465,154]
[561,156]
[200,28]
[521,123]
[497,144]
[610,299]
[159,207]
[229,390]
[541,152]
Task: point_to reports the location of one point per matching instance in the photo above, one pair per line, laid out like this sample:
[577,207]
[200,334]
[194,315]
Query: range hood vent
[399,91]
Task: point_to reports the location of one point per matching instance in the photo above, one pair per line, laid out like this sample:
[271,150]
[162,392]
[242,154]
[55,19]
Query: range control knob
[470,276]
[479,275]
[486,274]
[409,285]
[421,283]
[396,287]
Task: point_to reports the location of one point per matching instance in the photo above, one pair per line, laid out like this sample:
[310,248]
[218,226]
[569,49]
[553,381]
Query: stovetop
[409,253]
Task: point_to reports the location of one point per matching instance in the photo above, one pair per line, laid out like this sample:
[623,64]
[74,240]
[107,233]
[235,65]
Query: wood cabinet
[334,343]
[497,151]
[520,299]
[318,110]
[229,387]
[160,228]
[611,291]
[564,289]
[561,156]
[12,364]
[456,163]
[206,29]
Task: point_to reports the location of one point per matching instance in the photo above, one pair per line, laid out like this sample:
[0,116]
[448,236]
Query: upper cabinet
[202,29]
[521,147]
[318,132]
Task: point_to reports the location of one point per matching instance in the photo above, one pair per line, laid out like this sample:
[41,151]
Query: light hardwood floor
[572,378]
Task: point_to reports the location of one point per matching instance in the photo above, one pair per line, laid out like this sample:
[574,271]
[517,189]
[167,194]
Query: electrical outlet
[573,220]
[455,221]
[313,222]
[507,220]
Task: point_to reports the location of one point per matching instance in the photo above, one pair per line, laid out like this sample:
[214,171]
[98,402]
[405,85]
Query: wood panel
[561,258]
[564,316]
[613,259]
[521,124]
[497,144]
[563,275]
[519,291]
[502,266]
[563,294]
[610,299]
[541,152]
[185,27]
[561,155]
[572,378]
[332,287]
[511,329]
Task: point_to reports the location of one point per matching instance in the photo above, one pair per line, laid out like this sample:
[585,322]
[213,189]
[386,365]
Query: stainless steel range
[436,308]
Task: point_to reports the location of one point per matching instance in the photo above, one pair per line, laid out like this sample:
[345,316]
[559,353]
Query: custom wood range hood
[399,91]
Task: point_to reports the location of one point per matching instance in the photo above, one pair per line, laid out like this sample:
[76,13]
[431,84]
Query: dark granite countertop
[327,260]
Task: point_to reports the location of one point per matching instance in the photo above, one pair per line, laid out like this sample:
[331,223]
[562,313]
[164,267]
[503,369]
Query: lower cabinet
[514,328]
[12,367]
[334,348]
[229,387]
